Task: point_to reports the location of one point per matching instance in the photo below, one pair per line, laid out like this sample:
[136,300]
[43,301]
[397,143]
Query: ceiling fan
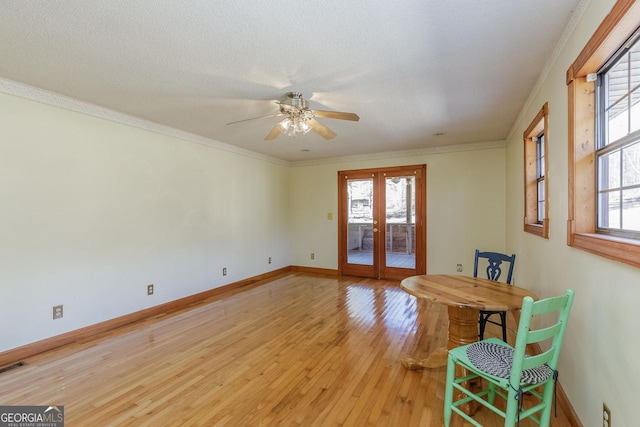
[298,118]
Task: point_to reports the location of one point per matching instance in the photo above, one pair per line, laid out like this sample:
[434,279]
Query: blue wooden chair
[494,270]
[508,372]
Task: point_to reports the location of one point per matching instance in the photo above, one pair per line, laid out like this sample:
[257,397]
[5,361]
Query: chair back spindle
[494,264]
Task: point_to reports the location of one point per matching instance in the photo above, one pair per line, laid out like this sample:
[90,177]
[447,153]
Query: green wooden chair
[508,372]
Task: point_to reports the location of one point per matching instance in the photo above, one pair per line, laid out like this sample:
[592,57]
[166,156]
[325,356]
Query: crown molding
[406,153]
[42,96]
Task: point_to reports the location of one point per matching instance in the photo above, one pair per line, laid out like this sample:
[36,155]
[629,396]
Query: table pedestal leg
[437,359]
[463,329]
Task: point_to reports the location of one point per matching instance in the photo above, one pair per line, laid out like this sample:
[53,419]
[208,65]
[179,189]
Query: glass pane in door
[360,221]
[400,232]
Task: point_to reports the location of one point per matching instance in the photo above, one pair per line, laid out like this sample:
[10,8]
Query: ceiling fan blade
[336,115]
[274,132]
[324,131]
[255,118]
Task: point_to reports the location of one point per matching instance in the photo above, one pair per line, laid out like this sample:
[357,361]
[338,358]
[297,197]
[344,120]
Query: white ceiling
[410,69]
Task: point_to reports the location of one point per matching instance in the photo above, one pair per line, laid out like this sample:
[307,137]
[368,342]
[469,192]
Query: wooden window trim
[615,29]
[538,125]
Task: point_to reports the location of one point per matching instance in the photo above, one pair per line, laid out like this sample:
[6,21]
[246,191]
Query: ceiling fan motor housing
[295,99]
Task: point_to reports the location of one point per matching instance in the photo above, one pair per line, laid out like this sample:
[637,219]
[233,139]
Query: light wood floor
[299,350]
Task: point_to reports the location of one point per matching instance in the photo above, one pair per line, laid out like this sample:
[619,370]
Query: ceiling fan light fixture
[291,131]
[293,125]
[286,123]
[301,126]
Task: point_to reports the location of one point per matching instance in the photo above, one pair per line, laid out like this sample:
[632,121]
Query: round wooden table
[465,297]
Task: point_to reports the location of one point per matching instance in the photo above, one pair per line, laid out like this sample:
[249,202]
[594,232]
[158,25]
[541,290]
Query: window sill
[538,229]
[616,248]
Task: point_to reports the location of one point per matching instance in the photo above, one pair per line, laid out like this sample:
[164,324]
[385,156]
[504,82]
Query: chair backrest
[554,313]
[494,260]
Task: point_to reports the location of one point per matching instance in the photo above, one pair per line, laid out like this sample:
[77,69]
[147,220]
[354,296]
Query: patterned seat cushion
[497,359]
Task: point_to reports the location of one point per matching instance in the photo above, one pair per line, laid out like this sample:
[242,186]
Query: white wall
[599,357]
[93,211]
[465,207]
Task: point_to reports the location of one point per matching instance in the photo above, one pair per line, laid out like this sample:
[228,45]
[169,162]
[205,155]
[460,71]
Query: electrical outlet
[269,260]
[606,415]
[459,268]
[57,312]
[150,289]
[224,271]
[313,256]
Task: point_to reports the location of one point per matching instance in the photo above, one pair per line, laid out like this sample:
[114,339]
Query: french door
[382,222]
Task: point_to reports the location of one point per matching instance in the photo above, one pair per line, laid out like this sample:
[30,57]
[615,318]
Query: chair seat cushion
[496,359]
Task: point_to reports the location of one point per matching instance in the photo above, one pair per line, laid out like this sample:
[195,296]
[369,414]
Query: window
[536,219]
[618,143]
[540,174]
[603,135]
